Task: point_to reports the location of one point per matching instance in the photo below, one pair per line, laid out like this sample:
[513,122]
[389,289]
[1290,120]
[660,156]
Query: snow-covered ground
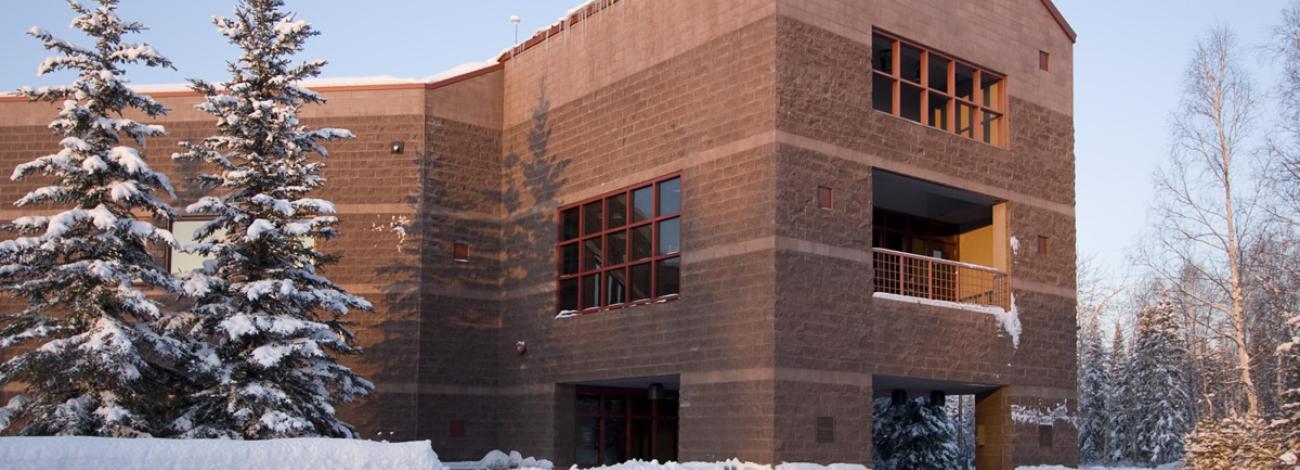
[1171,466]
[78,453]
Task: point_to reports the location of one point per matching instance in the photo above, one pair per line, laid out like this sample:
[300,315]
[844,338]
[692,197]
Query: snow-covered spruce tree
[914,434]
[1094,383]
[273,326]
[1119,402]
[82,347]
[1159,385]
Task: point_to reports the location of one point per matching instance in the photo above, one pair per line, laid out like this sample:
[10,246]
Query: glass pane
[587,405]
[910,102]
[993,128]
[586,432]
[569,295]
[615,405]
[938,113]
[667,408]
[616,245]
[965,120]
[666,440]
[992,89]
[670,196]
[882,53]
[569,223]
[569,259]
[965,82]
[615,441]
[939,73]
[591,216]
[641,407]
[641,238]
[591,254]
[670,275]
[591,291]
[882,93]
[643,204]
[616,287]
[909,63]
[670,236]
[641,434]
[617,210]
[640,282]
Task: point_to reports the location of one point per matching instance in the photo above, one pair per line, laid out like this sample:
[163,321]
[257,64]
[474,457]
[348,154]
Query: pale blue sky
[1128,68]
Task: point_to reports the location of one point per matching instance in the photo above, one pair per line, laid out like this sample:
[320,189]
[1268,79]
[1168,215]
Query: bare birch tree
[1205,209]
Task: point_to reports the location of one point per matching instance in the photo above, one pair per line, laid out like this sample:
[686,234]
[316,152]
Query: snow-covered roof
[431,81]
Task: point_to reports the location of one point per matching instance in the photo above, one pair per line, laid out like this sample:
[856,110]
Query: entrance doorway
[616,424]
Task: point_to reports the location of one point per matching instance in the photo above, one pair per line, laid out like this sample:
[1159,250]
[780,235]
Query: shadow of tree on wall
[529,199]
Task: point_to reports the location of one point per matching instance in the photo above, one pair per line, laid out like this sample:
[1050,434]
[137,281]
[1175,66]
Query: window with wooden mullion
[612,249]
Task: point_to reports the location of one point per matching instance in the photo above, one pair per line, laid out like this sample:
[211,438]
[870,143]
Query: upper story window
[179,261]
[931,88]
[621,248]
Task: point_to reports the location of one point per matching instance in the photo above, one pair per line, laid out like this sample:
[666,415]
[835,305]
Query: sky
[1129,63]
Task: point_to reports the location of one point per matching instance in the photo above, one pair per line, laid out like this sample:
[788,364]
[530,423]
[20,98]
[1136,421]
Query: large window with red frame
[622,248]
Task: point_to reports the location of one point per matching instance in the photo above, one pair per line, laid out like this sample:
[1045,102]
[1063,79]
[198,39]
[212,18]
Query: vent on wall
[825,198]
[825,429]
[460,253]
[1044,61]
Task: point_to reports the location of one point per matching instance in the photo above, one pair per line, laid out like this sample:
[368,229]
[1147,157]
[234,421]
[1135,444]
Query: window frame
[653,261]
[976,101]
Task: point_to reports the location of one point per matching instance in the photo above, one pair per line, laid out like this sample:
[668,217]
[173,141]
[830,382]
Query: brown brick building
[761,213]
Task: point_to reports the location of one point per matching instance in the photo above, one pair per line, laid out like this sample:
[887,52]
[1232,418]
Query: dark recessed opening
[1044,61]
[460,253]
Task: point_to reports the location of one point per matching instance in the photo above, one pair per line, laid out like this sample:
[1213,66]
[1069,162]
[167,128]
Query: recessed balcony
[939,243]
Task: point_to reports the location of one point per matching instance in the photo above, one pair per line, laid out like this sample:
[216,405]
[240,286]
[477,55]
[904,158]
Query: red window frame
[663,413]
[602,270]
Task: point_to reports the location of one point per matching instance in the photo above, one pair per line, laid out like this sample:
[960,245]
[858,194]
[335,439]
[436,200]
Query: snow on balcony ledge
[1010,319]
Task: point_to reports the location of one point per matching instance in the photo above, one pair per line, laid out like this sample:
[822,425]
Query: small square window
[1044,245]
[825,198]
[460,253]
[1044,61]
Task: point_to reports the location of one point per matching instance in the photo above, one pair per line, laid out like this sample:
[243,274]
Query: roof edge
[1061,21]
[328,88]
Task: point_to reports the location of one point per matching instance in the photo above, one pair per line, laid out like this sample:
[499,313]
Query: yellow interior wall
[976,246]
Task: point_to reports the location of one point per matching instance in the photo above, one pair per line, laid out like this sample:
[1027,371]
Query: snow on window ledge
[1010,319]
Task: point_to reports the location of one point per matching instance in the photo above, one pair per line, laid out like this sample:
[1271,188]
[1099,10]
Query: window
[621,248]
[1044,245]
[181,262]
[928,87]
[1044,61]
[460,252]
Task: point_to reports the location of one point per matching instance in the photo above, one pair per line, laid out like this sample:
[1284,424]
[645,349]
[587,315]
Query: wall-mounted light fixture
[397,147]
[656,391]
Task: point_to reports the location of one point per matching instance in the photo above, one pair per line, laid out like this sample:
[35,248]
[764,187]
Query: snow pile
[75,453]
[498,460]
[1043,416]
[732,464]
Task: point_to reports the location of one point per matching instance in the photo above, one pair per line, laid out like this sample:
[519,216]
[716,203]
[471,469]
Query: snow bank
[732,464]
[75,453]
[498,460]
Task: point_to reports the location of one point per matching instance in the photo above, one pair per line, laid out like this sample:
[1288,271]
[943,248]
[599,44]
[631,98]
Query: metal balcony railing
[939,279]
